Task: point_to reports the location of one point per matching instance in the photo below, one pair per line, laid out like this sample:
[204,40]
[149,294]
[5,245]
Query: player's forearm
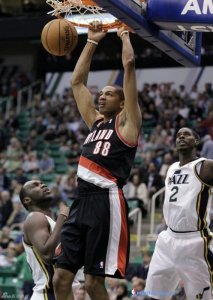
[82,67]
[53,240]
[128,57]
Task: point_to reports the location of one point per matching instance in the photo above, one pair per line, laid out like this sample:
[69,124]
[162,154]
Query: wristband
[92,42]
[123,32]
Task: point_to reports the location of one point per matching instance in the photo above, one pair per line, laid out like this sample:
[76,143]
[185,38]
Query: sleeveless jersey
[106,158]
[42,273]
[187,199]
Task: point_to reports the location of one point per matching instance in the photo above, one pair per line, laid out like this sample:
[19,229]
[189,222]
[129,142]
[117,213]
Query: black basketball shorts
[96,234]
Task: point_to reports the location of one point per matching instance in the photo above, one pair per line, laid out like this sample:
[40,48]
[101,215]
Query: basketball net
[82,12]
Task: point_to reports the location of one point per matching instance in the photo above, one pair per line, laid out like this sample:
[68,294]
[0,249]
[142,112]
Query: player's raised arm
[130,117]
[37,233]
[81,93]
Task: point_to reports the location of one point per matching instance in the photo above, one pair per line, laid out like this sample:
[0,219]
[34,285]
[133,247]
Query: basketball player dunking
[96,234]
[185,250]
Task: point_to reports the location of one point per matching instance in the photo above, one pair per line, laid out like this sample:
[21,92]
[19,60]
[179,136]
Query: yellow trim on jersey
[43,267]
[45,294]
[204,219]
[198,207]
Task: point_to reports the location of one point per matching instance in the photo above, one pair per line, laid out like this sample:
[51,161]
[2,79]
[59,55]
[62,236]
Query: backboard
[182,45]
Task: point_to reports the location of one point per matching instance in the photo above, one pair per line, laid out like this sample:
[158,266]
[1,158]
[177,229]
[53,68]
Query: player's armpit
[127,130]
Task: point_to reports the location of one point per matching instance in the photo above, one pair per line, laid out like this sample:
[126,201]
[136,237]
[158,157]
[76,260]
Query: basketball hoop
[82,12]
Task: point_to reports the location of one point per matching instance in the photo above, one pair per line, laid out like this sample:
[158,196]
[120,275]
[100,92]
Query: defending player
[185,250]
[96,232]
[41,236]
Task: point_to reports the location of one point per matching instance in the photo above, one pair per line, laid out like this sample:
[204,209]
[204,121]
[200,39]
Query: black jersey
[106,158]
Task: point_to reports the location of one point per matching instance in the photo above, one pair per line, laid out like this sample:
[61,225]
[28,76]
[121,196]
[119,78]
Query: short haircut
[119,91]
[196,135]
[22,195]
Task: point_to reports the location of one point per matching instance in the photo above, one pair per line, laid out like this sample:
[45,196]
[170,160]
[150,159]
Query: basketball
[59,37]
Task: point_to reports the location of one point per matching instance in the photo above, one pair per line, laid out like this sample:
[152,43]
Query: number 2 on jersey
[104,151]
[172,197]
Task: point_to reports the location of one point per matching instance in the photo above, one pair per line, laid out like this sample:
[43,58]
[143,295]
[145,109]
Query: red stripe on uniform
[92,166]
[123,243]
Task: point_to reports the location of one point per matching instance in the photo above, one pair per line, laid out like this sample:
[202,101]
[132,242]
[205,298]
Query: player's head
[35,194]
[111,100]
[187,138]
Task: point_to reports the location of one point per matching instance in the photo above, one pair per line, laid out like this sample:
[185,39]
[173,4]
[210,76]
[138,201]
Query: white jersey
[42,274]
[187,199]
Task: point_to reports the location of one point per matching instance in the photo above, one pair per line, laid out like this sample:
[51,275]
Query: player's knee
[62,280]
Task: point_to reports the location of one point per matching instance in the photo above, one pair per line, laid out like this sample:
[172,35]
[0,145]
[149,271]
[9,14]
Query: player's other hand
[96,32]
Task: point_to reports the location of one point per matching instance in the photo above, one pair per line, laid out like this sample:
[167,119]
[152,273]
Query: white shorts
[181,256]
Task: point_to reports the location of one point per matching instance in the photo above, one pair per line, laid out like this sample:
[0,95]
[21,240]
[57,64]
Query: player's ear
[197,142]
[122,104]
[26,200]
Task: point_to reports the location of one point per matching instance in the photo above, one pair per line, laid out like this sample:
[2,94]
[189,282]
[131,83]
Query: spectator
[24,274]
[6,207]
[208,122]
[111,286]
[68,187]
[5,238]
[80,294]
[20,177]
[4,180]
[30,164]
[8,258]
[200,129]
[208,89]
[137,190]
[58,197]
[195,111]
[46,164]
[122,291]
[74,154]
[153,180]
[11,121]
[193,94]
[4,134]
[182,92]
[207,148]
[167,161]
[139,270]
[13,155]
[50,133]
[18,212]
[183,110]
[138,286]
[38,125]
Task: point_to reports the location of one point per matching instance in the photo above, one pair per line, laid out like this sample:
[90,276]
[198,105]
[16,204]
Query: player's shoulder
[35,217]
[206,172]
[174,165]
[208,162]
[208,165]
